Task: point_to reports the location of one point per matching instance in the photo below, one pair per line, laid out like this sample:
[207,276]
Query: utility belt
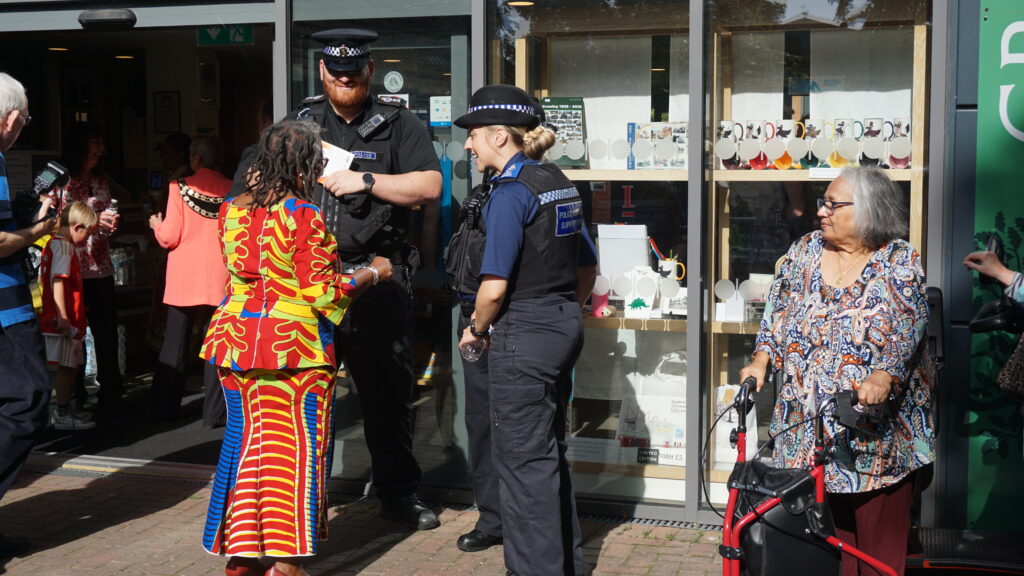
[467,304]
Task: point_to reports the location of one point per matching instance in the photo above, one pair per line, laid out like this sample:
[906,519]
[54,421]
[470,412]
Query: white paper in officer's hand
[335,159]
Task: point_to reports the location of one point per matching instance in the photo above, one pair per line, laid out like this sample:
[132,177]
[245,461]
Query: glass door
[423,60]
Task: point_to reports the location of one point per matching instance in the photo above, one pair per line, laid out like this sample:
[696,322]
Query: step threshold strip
[52,463]
[56,463]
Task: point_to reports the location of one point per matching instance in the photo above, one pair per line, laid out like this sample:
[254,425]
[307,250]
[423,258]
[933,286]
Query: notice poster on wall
[565,114]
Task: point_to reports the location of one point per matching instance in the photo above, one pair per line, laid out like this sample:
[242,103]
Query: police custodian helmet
[499,104]
[345,49]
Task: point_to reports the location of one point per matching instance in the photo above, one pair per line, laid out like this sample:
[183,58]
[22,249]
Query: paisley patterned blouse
[283,290]
[827,340]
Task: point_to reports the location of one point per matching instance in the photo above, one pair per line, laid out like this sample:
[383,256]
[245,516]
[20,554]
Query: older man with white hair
[24,381]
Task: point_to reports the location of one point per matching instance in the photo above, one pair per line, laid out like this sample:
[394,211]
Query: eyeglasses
[830,206]
[28,119]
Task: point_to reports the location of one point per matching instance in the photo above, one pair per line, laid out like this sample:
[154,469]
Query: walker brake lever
[866,419]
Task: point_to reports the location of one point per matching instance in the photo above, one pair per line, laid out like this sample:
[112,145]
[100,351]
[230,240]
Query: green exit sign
[224,34]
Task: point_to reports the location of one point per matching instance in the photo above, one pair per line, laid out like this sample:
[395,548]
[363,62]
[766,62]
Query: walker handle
[744,402]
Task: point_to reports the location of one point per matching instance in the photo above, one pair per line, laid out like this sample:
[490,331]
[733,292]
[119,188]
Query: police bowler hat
[345,49]
[499,104]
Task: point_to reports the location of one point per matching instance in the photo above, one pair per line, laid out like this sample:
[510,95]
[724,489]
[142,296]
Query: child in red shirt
[63,320]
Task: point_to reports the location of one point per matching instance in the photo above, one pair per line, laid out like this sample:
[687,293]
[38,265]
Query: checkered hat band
[516,107]
[346,51]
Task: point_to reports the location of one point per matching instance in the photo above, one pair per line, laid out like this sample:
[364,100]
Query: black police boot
[409,510]
[476,541]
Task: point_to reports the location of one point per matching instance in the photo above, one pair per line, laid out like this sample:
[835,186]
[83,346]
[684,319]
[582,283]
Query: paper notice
[335,159]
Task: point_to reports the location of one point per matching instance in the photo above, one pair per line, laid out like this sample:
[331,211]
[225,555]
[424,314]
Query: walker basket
[789,538]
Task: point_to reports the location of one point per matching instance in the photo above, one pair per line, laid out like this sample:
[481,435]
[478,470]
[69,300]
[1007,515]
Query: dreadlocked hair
[289,161]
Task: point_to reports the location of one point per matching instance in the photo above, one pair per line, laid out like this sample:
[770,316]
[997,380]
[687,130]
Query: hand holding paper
[335,159]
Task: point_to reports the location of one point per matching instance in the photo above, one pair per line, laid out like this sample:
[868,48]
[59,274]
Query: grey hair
[880,209]
[12,95]
[210,150]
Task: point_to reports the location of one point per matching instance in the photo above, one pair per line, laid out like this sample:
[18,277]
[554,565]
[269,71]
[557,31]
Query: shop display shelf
[668,175]
[903,175]
[618,322]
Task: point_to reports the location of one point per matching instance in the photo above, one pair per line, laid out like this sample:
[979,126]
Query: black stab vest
[362,224]
[551,243]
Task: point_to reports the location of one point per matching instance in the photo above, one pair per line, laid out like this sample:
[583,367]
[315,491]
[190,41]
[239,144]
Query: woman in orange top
[272,339]
[196,278]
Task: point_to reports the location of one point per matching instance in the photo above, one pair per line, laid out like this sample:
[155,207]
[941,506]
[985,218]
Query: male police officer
[24,381]
[368,208]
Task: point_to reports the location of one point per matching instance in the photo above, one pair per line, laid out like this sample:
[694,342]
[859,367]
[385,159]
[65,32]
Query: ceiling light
[657,69]
[107,19]
[124,57]
[446,74]
[520,3]
[391,60]
[58,49]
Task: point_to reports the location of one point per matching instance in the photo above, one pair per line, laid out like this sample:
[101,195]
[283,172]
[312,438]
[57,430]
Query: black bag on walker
[789,538]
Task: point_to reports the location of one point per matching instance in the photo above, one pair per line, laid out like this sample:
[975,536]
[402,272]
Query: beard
[346,97]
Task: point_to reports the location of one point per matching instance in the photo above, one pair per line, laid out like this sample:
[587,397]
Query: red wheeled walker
[777,521]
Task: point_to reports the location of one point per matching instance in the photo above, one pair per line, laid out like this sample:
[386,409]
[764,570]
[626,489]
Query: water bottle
[117,260]
[90,355]
[472,351]
[111,209]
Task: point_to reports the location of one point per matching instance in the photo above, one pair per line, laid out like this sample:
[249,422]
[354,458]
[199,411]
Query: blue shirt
[510,209]
[15,302]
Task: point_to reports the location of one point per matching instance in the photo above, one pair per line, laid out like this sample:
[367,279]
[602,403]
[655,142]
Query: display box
[621,248]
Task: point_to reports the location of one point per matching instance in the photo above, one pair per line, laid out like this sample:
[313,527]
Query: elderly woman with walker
[848,312]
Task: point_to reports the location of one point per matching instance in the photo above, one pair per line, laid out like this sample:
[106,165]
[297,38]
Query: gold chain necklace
[842,272]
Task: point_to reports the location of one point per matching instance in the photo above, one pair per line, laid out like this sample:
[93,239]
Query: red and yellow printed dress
[273,341]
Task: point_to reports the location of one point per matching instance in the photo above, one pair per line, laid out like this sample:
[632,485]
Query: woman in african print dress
[271,340]
[848,312]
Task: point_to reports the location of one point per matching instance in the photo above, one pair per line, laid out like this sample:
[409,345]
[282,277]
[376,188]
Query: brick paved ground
[142,526]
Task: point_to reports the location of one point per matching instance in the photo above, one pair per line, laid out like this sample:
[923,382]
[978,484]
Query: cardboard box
[621,248]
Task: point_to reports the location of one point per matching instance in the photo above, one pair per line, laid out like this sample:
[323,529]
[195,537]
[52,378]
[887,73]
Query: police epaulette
[391,100]
[315,99]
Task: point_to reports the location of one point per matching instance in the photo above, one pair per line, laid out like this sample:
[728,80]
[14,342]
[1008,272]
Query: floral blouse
[826,340]
[94,255]
[283,290]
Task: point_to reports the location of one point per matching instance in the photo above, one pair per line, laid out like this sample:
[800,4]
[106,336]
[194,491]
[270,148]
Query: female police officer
[538,263]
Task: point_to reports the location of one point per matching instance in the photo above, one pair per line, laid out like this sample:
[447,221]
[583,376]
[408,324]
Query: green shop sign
[996,466]
[221,34]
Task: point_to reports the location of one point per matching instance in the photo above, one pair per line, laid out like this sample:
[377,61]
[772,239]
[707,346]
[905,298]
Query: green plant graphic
[638,303]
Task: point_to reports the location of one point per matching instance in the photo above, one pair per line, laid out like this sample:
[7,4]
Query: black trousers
[101,306]
[478,425]
[533,349]
[375,339]
[172,368]
[24,396]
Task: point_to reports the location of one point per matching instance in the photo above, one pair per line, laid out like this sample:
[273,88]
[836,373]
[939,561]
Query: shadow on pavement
[136,435]
[57,517]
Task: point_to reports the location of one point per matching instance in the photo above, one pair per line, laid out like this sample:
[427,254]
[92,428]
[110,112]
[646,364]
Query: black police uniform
[463,260]
[375,337]
[538,335]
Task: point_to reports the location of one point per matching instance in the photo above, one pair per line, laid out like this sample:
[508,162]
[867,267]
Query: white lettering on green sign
[1005,89]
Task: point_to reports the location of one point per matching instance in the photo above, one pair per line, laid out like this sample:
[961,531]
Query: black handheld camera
[53,176]
[26,203]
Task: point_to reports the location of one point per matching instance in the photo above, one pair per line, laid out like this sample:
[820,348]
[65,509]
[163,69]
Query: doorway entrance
[139,86]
